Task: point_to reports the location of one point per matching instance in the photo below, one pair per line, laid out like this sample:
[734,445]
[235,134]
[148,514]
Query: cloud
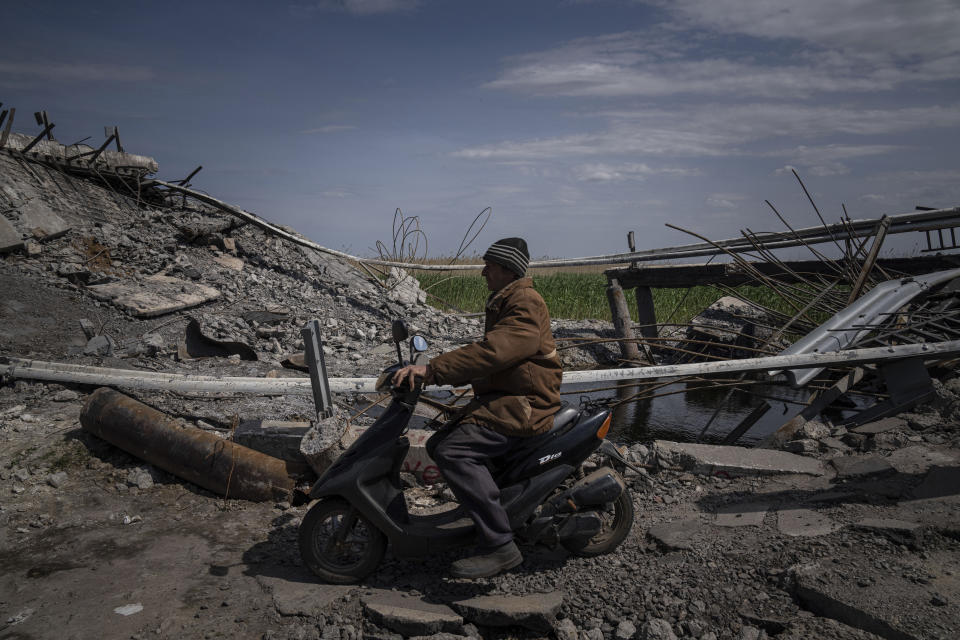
[702,77]
[825,160]
[725,200]
[907,188]
[888,27]
[711,130]
[330,128]
[77,72]
[819,46]
[629,171]
[357,7]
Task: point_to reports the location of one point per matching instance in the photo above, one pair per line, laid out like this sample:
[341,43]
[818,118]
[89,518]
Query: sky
[574,121]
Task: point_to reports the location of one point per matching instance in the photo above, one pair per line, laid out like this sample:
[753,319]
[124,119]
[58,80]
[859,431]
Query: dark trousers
[460,454]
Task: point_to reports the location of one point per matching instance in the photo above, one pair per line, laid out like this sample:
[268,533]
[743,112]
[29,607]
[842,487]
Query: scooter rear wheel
[617,521]
[338,543]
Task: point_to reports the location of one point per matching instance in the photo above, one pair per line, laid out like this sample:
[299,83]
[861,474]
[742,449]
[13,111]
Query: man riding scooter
[515,373]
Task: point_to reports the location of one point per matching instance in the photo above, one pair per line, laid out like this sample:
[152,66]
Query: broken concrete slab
[813,429]
[881,426]
[299,595]
[154,296]
[100,346]
[277,438]
[195,344]
[733,461]
[940,482]
[271,317]
[675,535]
[747,514]
[833,591]
[230,262]
[829,605]
[325,440]
[900,531]
[834,443]
[799,522]
[536,612]
[849,467]
[919,459]
[803,447]
[409,616]
[39,219]
[10,239]
[773,625]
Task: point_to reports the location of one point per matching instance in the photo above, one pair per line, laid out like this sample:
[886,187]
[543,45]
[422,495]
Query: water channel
[680,411]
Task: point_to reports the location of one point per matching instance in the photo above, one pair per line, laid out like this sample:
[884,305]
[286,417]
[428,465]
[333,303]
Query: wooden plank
[622,324]
[6,129]
[646,313]
[871,259]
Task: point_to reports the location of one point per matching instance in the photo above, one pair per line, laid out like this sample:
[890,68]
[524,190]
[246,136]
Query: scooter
[548,495]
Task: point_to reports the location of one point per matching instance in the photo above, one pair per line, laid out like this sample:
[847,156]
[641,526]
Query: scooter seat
[563,421]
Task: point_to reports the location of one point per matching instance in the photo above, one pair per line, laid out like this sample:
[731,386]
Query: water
[682,410]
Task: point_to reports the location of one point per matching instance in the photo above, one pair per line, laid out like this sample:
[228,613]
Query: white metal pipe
[80,374]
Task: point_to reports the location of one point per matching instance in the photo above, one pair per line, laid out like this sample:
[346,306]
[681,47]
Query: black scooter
[545,490]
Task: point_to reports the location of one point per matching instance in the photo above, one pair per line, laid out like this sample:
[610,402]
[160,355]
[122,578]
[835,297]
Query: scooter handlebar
[385,381]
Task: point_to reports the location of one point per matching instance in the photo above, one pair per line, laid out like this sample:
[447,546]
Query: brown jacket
[515,370]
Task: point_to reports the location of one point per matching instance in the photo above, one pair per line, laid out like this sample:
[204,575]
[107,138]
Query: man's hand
[410,372]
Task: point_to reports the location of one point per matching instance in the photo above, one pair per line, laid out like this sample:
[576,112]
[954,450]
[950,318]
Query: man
[515,373]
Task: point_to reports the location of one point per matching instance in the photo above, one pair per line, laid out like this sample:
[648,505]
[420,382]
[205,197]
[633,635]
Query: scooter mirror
[418,343]
[399,330]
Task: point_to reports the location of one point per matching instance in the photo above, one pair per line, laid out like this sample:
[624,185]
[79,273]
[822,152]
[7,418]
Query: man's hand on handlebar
[410,373]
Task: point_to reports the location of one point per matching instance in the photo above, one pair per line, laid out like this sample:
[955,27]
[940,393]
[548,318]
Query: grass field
[582,295]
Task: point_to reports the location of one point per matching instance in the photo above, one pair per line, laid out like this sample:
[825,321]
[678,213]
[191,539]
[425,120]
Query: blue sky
[576,121]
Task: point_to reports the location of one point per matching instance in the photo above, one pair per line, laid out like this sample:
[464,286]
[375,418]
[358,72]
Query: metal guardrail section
[847,327]
[899,223]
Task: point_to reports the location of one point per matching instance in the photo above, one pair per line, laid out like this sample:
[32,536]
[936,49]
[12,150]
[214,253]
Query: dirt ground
[95,544]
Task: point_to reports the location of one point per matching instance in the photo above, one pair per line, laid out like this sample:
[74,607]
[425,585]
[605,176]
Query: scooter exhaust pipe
[600,487]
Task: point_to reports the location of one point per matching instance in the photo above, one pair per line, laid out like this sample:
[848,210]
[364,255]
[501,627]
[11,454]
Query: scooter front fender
[371,484]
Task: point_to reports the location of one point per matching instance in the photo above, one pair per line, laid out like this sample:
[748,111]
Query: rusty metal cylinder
[221,466]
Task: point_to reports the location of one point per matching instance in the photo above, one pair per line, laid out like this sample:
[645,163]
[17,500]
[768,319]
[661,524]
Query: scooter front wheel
[338,543]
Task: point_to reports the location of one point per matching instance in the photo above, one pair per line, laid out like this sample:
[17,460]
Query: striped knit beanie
[510,253]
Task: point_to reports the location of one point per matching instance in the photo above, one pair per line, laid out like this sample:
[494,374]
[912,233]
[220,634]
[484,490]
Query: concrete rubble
[852,535]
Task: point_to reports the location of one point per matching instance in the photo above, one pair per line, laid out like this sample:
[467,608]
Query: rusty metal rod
[221,466]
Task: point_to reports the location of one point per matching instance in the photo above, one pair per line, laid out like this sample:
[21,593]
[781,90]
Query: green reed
[579,296]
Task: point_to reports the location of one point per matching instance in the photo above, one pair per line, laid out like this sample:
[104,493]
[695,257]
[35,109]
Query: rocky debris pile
[728,328]
[134,265]
[586,344]
[935,423]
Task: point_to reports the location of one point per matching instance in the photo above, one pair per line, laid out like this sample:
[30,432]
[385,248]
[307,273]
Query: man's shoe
[484,565]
